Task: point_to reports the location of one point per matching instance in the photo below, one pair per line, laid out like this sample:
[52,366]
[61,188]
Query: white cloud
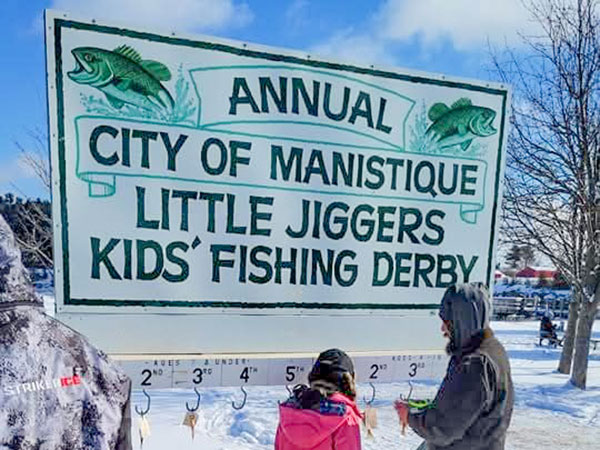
[347,45]
[296,15]
[171,15]
[468,24]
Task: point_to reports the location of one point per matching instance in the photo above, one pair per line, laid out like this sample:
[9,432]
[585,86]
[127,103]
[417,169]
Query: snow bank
[549,412]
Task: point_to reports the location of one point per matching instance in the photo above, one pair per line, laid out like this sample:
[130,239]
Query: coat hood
[308,428]
[467,308]
[15,286]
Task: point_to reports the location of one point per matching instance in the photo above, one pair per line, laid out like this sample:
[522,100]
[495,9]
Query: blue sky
[444,36]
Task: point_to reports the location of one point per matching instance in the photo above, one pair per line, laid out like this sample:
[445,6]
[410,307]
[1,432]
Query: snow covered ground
[549,413]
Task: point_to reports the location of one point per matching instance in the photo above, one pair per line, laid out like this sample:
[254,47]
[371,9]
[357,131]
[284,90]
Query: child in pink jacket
[323,416]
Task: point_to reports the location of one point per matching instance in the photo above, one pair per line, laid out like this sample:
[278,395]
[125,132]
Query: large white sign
[197,175]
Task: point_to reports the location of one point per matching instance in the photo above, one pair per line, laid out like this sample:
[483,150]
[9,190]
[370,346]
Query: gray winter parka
[57,392]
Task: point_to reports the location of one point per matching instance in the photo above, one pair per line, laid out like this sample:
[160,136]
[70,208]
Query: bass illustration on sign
[459,124]
[123,76]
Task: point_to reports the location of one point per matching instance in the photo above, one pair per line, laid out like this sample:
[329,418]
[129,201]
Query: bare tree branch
[552,193]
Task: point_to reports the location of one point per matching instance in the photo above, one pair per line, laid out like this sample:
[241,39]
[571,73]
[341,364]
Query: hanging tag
[370,420]
[144,430]
[190,420]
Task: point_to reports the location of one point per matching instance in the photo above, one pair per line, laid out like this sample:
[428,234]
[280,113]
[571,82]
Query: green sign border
[59,24]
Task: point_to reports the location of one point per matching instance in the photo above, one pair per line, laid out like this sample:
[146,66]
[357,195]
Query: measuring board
[188,371]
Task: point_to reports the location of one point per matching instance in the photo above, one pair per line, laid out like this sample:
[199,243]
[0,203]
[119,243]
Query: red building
[533,275]
[500,276]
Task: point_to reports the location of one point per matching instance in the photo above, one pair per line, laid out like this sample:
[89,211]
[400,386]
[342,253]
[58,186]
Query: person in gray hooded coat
[57,392]
[473,407]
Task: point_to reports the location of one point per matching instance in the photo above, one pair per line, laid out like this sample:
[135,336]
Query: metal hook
[290,393]
[406,399]
[369,402]
[243,401]
[139,411]
[195,408]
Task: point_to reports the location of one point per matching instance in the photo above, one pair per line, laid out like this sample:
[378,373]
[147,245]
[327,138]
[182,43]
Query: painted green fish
[459,124]
[123,76]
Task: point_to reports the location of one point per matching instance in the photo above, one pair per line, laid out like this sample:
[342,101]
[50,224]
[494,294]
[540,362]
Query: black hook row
[240,406]
[143,412]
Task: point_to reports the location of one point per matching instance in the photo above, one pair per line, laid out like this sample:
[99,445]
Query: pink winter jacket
[305,429]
